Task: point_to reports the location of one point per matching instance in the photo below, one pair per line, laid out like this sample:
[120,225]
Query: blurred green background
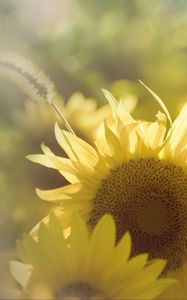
[83,45]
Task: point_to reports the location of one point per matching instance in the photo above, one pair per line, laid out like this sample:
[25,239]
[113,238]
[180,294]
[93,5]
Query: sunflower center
[148,198]
[79,290]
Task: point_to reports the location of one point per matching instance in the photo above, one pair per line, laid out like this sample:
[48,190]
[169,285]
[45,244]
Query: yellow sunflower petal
[111,100]
[41,159]
[50,160]
[113,143]
[64,217]
[21,272]
[133,266]
[128,140]
[156,288]
[119,256]
[143,279]
[178,138]
[56,195]
[179,291]
[78,246]
[156,132]
[161,103]
[76,148]
[53,266]
[102,243]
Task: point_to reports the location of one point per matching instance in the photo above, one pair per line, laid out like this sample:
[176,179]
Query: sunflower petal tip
[108,219]
[38,192]
[31,157]
[163,263]
[107,216]
[128,236]
[28,156]
[103,90]
[43,146]
[57,129]
[56,125]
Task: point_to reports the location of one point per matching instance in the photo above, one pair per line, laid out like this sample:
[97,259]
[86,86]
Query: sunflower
[85,266]
[137,173]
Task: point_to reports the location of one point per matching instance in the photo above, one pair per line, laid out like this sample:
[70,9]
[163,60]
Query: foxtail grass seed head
[30,79]
[27,76]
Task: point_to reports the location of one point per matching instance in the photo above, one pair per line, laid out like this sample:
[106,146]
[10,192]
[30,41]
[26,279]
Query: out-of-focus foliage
[121,39]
